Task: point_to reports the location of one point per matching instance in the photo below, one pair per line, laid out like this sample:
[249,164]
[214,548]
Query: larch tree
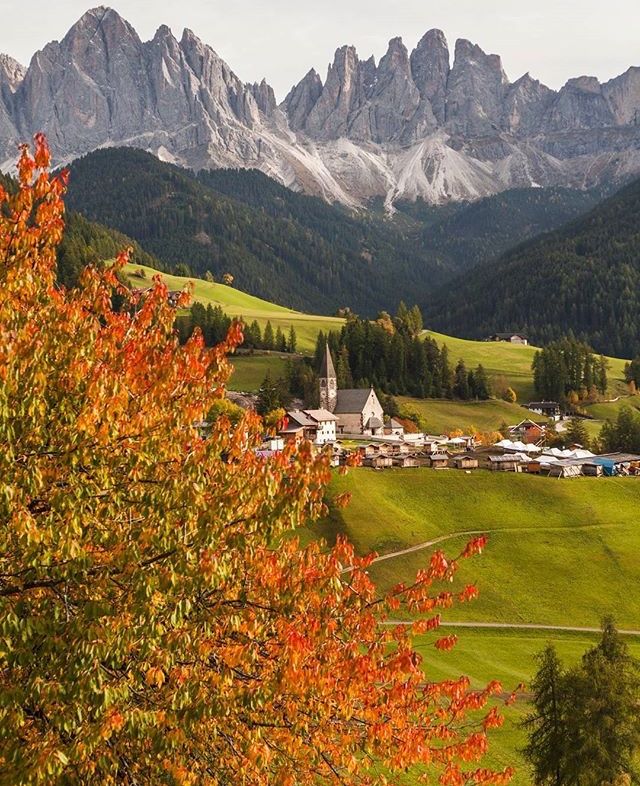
[158,623]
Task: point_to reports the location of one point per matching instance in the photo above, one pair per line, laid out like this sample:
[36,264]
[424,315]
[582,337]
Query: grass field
[510,362]
[559,553]
[443,416]
[507,656]
[236,303]
[250,370]
[513,362]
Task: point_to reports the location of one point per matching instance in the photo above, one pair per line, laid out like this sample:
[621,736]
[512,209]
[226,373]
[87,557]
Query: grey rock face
[302,98]
[411,126]
[430,72]
[475,91]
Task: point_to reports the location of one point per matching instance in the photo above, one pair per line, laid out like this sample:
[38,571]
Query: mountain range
[414,124]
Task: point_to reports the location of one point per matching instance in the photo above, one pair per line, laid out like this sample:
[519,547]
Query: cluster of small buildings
[357,415]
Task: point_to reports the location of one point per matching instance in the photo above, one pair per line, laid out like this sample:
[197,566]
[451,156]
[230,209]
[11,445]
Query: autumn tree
[159,624]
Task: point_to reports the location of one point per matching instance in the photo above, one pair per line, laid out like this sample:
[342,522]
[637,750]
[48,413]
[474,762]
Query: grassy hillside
[509,657]
[507,362]
[442,416]
[542,532]
[237,303]
[559,553]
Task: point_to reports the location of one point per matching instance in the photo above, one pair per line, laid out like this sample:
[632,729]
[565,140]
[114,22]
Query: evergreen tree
[292,343]
[268,396]
[461,382]
[280,341]
[546,724]
[603,733]
[623,434]
[577,432]
[268,338]
[482,387]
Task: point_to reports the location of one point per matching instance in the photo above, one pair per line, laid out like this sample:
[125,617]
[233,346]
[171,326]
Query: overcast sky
[282,39]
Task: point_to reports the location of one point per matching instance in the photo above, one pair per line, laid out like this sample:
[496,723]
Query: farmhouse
[529,432]
[357,411]
[510,338]
[316,425]
[548,409]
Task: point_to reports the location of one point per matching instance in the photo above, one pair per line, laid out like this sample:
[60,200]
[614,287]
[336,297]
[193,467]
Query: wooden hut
[378,462]
[465,462]
[504,463]
[405,461]
[438,460]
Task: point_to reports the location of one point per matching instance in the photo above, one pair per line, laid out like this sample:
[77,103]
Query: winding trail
[516,626]
[470,532]
[496,625]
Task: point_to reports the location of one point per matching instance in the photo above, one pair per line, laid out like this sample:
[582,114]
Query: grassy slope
[442,416]
[250,370]
[499,359]
[560,553]
[237,303]
[513,363]
[509,657]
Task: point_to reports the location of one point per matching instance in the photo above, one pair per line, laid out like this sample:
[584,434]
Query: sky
[281,40]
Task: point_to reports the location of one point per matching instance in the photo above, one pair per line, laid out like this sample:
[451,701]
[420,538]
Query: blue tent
[608,465]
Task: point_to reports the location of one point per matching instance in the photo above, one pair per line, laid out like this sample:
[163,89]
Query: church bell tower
[328,383]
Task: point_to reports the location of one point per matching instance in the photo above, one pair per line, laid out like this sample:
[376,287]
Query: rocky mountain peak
[11,73]
[430,67]
[476,89]
[411,125]
[302,98]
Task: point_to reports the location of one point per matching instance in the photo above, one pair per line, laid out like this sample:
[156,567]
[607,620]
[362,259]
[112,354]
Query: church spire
[327,371]
[328,383]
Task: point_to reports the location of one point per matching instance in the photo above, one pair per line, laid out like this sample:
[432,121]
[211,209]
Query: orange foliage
[159,624]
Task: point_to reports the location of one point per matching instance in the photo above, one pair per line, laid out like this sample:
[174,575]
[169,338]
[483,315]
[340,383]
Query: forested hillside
[317,257]
[297,250]
[467,234]
[86,242]
[584,279]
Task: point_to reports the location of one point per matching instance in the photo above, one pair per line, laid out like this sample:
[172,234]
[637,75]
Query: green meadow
[239,304]
[510,364]
[560,553]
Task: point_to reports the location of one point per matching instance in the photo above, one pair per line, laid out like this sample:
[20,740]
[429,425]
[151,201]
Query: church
[357,411]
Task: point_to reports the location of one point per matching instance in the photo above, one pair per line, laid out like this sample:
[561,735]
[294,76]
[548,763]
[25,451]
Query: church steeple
[328,383]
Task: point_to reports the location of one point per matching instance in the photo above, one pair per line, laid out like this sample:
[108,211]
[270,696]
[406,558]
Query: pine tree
[268,338]
[293,340]
[280,341]
[603,735]
[461,382]
[577,433]
[546,750]
[268,396]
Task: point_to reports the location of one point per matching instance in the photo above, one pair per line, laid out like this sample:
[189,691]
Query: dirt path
[516,626]
[495,625]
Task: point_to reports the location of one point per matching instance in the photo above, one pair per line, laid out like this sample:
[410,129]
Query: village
[353,421]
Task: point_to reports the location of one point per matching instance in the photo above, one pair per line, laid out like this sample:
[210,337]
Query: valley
[437,272]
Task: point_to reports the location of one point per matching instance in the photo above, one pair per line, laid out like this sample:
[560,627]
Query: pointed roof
[327,370]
